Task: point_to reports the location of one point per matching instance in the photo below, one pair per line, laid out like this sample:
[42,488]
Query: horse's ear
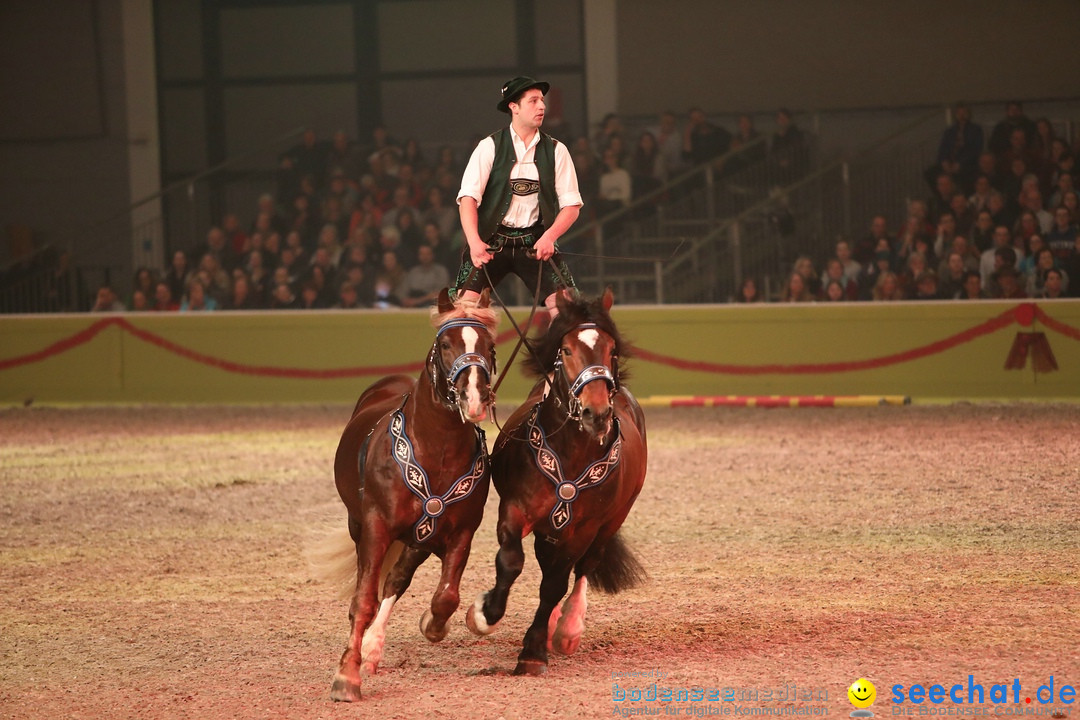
[445,303]
[564,298]
[485,298]
[608,299]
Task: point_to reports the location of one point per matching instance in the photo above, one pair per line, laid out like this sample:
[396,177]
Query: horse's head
[586,361]
[462,362]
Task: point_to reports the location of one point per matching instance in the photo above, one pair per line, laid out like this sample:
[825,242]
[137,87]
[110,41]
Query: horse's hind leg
[397,582]
[555,567]
[566,626]
[446,598]
[371,545]
[489,608]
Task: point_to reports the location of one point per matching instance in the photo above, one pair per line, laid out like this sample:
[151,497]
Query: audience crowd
[375,224]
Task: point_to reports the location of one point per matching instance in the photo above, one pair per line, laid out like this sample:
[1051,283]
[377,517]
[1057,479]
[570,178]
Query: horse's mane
[545,348]
[471,309]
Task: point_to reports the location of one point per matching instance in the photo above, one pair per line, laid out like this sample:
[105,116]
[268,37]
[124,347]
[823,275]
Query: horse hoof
[345,690]
[565,645]
[425,628]
[475,620]
[534,668]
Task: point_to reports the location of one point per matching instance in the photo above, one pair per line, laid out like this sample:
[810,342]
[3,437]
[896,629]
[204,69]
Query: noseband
[586,376]
[461,363]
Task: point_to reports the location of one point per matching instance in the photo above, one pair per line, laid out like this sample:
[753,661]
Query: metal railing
[727,219]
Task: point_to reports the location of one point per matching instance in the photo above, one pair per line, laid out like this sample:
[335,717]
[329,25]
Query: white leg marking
[571,625]
[475,617]
[589,337]
[371,648]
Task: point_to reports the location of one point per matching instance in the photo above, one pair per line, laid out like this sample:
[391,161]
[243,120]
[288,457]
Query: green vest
[497,193]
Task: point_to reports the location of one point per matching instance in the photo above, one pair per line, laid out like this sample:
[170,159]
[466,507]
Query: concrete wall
[922,350]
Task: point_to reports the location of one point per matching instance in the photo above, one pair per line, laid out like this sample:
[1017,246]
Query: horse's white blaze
[372,646]
[589,337]
[472,390]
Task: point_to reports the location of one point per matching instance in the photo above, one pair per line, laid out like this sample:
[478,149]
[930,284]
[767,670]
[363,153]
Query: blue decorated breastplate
[416,478]
[547,461]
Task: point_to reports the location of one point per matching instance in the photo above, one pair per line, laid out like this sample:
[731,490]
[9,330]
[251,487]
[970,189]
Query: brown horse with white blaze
[412,470]
[568,466]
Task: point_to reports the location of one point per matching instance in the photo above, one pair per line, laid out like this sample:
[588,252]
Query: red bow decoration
[1042,357]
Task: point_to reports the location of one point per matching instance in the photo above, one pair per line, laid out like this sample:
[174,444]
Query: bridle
[449,397]
[587,375]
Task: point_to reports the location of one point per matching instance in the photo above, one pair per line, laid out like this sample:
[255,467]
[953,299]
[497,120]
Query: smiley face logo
[862,693]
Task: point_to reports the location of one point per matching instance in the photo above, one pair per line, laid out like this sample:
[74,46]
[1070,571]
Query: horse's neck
[425,406]
[565,435]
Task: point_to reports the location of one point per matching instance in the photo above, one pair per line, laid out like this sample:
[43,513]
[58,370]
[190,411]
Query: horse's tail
[619,568]
[332,559]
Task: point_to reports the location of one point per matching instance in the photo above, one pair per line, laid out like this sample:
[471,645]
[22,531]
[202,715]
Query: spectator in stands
[953,274]
[872,271]
[963,214]
[163,298]
[611,127]
[283,298]
[990,261]
[748,291]
[834,292]
[588,172]
[445,254]
[851,267]
[1042,143]
[747,139]
[669,141]
[646,166]
[340,158]
[348,297]
[177,274]
[703,141]
[242,296]
[313,297]
[1000,138]
[834,274]
[236,238]
[946,231]
[616,186]
[1000,210]
[914,267]
[1053,286]
[787,151]
[392,274]
[959,149]
[144,283]
[422,282]
[1035,279]
[1007,284]
[914,237]
[982,233]
[1071,201]
[795,289]
[216,244]
[1032,201]
[926,286]
[941,199]
[197,299]
[866,247]
[216,280]
[972,288]
[1019,150]
[1062,185]
[410,235]
[439,212]
[887,288]
[980,196]
[811,280]
[1026,264]
[1062,236]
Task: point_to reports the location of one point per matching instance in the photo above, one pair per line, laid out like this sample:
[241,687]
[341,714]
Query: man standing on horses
[518,195]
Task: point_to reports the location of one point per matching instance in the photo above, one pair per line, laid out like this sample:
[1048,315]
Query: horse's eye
[443,345]
[566,351]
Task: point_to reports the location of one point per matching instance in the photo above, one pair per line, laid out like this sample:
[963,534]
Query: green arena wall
[924,351]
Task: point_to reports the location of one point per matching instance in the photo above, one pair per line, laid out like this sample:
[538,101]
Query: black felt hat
[513,88]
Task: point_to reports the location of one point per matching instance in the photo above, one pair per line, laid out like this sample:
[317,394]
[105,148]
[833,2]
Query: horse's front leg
[555,566]
[489,608]
[370,548]
[445,600]
[397,582]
